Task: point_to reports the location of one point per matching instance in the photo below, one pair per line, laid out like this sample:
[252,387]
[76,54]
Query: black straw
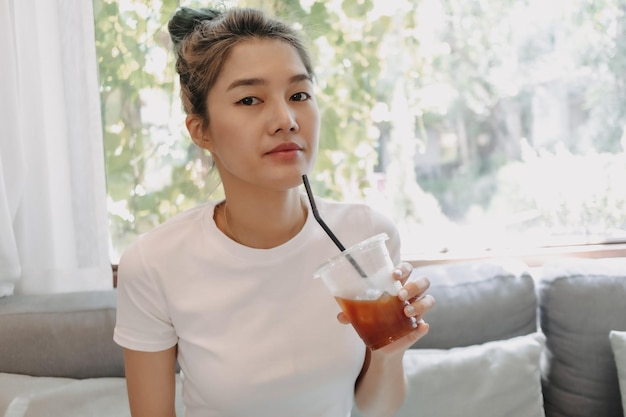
[329,232]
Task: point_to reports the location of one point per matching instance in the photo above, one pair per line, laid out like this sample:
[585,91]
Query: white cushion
[49,396]
[87,397]
[618,344]
[494,379]
[14,386]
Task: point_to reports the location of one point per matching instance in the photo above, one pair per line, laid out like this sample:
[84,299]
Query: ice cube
[384,281]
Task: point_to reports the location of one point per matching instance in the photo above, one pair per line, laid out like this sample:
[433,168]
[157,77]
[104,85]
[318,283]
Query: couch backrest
[63,335]
[581,301]
[478,302]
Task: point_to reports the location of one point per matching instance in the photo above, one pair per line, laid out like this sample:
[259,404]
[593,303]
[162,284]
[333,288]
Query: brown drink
[361,280]
[378,322]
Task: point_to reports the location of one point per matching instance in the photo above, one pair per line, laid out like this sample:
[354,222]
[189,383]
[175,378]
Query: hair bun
[185,20]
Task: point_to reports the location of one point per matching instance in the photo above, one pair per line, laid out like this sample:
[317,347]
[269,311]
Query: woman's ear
[195,126]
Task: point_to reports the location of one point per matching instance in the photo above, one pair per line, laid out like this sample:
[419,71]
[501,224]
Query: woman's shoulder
[355,215]
[175,231]
[353,210]
[190,218]
[356,221]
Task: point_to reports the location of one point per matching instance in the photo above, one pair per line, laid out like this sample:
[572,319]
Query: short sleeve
[385,225]
[394,244]
[143,322]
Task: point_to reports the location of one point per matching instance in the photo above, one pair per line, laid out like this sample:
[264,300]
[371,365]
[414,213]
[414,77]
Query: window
[480,126]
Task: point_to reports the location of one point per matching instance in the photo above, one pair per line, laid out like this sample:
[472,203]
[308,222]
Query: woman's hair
[203,39]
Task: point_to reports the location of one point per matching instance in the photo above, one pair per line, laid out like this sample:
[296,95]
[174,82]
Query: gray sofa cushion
[581,301]
[618,344]
[481,301]
[60,335]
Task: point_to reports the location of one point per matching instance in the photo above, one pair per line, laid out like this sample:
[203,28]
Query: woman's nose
[283,118]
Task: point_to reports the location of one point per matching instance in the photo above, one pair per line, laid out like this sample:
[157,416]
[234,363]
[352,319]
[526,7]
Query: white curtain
[53,222]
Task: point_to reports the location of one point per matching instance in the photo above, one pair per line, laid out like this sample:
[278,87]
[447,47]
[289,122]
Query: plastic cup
[360,278]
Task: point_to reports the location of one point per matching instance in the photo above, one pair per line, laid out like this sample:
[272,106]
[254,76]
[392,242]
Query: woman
[226,288]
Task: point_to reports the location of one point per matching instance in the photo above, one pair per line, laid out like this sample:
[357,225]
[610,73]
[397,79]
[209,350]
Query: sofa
[505,340]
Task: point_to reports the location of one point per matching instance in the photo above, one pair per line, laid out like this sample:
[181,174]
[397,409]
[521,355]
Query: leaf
[356,9]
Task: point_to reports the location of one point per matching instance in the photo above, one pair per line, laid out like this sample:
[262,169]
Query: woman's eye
[301,96]
[249,101]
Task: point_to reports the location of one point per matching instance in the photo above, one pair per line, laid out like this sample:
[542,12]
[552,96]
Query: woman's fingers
[403,271]
[420,306]
[343,318]
[418,303]
[414,289]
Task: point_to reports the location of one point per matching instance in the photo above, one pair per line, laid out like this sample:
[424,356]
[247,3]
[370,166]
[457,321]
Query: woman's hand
[419,303]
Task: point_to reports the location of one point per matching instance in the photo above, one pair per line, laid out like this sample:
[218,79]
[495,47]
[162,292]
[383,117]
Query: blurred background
[477,126]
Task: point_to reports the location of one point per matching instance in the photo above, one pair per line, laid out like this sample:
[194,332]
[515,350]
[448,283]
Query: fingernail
[397,272]
[403,294]
[410,311]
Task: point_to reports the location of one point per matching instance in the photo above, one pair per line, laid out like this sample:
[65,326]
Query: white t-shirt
[257,335]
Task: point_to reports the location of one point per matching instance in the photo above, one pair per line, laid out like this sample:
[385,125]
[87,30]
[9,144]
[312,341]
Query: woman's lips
[286,147]
[285,151]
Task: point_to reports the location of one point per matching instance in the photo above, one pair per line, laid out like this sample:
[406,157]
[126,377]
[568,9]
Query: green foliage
[356,9]
[125,40]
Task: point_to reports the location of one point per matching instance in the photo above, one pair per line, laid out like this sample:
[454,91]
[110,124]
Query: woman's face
[263,118]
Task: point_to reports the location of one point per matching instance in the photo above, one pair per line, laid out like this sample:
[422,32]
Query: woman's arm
[381,387]
[151,382]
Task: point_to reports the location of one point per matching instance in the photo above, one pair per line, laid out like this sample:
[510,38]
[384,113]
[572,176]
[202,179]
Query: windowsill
[531,257]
